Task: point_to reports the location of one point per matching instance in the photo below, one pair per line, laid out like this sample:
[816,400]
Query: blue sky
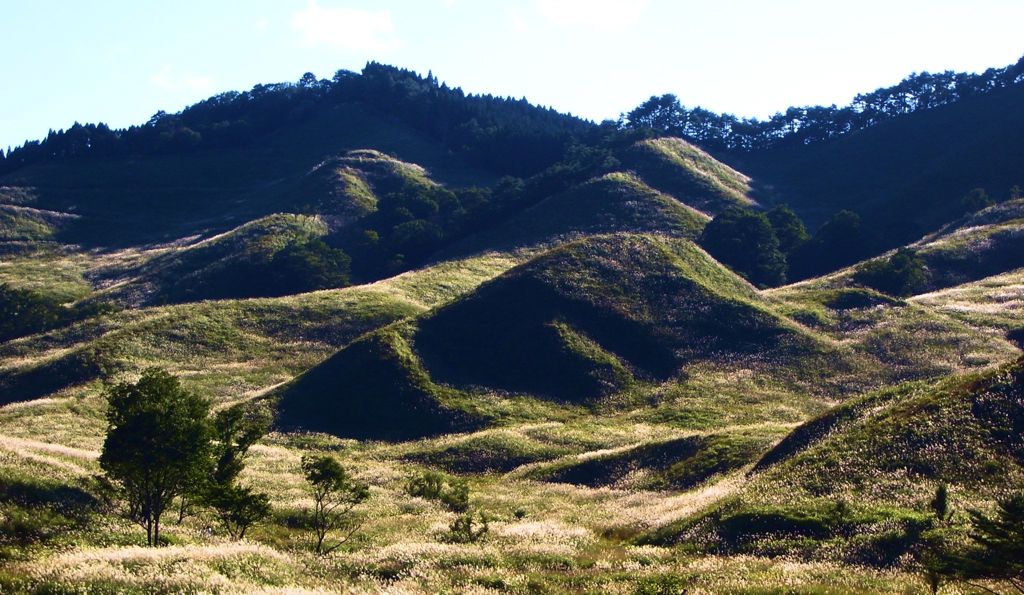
[119,61]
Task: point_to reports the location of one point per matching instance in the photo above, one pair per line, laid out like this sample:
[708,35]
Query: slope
[570,327]
[688,173]
[615,202]
[855,484]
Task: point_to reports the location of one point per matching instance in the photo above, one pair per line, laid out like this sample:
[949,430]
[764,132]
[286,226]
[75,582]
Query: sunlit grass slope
[573,326]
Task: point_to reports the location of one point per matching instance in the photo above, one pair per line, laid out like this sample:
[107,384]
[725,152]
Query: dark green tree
[1000,541]
[788,228]
[335,493]
[157,446]
[902,274]
[996,553]
[745,241]
[237,507]
[839,242]
[236,429]
[663,114]
[940,502]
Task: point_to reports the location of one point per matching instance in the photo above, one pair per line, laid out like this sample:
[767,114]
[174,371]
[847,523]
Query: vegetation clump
[238,507]
[902,274]
[26,312]
[746,241]
[433,485]
[468,528]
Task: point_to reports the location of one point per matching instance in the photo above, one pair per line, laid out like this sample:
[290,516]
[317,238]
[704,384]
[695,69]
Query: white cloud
[591,13]
[168,79]
[346,28]
[262,24]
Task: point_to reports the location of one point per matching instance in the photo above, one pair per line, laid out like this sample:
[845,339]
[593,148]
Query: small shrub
[456,497]
[468,528]
[940,503]
[431,485]
[428,485]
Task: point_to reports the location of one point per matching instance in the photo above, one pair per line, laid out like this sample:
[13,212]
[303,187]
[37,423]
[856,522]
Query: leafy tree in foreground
[745,241]
[236,429]
[157,444]
[335,494]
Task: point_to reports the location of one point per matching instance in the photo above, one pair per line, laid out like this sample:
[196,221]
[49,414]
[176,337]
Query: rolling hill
[435,287]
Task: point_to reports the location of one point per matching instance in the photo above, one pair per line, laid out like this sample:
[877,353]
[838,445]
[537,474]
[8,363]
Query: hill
[614,202]
[683,170]
[573,325]
[858,480]
[971,248]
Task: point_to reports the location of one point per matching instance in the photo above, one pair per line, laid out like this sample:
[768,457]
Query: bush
[24,312]
[903,274]
[431,485]
[976,200]
[468,528]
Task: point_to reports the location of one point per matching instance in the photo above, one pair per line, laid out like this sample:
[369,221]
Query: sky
[120,61]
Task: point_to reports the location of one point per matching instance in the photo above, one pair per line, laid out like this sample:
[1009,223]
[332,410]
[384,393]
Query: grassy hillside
[684,171]
[974,247]
[210,268]
[615,202]
[574,325]
[231,349]
[855,484]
